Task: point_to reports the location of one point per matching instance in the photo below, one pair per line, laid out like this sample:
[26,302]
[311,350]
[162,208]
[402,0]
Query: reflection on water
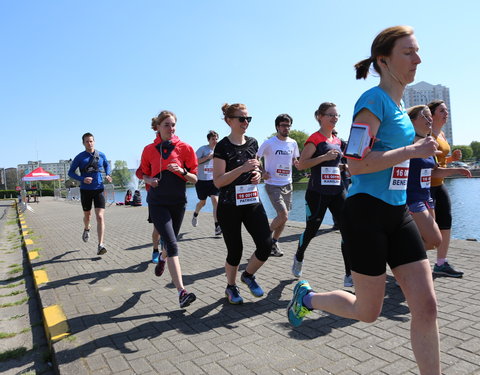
[464,193]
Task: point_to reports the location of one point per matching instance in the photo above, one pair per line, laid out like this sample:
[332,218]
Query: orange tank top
[442,158]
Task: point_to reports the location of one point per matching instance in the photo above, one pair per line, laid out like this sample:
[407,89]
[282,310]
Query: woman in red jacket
[167,164]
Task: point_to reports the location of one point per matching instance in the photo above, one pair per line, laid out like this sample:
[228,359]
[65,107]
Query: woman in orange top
[439,192]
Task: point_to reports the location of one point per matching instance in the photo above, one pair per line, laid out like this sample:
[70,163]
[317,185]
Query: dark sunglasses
[242,118]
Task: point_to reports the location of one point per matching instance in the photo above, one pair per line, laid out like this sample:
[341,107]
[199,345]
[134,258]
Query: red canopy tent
[40,174]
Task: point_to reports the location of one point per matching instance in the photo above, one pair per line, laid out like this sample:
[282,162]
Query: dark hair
[162,116]
[434,104]
[284,117]
[322,108]
[86,135]
[382,46]
[212,134]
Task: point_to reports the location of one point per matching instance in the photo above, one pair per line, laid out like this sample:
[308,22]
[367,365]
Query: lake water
[465,207]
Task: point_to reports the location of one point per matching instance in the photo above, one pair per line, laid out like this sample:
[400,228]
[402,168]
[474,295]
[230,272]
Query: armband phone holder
[359,142]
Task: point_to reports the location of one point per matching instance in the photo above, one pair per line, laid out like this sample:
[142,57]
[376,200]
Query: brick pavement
[124,320]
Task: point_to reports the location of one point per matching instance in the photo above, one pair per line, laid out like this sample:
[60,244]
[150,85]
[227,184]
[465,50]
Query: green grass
[13,353]
[20,302]
[15,270]
[70,338]
[16,317]
[13,285]
[13,265]
[11,222]
[5,335]
[14,278]
[14,293]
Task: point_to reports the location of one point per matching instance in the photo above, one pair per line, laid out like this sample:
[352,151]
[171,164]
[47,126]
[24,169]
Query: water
[466,220]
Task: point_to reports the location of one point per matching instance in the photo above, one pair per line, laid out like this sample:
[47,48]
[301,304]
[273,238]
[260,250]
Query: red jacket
[171,187]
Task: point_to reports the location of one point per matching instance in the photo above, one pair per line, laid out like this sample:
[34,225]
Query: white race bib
[425,178]
[331,176]
[246,194]
[208,170]
[282,170]
[399,178]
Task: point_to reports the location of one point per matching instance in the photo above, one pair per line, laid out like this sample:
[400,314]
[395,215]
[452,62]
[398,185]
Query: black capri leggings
[167,221]
[254,217]
[316,205]
[443,206]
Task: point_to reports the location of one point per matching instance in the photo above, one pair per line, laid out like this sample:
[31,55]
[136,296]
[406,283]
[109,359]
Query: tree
[121,176]
[475,146]
[466,151]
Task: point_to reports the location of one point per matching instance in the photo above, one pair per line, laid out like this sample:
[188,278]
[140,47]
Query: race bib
[246,194]
[331,176]
[208,170]
[399,178]
[425,178]
[282,170]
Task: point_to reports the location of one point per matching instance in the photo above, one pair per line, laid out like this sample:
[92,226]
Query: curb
[54,319]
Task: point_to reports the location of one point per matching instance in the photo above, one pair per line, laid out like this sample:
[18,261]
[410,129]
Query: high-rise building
[423,93]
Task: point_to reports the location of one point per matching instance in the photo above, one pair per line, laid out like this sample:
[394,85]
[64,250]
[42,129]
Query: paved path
[124,320]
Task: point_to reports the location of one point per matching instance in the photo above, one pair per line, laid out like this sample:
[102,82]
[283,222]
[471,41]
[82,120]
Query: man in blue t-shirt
[91,163]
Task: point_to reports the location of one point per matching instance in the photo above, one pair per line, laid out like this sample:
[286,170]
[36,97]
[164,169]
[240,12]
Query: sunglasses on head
[243,118]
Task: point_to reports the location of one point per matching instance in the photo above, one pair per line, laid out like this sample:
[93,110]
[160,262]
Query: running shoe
[101,249]
[297,267]
[155,256]
[276,252]
[446,270]
[86,235]
[218,230]
[233,295]
[252,285]
[296,311]
[195,221]
[160,267]
[348,281]
[186,298]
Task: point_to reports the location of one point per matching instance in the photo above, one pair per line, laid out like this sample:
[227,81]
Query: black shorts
[205,188]
[87,196]
[376,233]
[443,206]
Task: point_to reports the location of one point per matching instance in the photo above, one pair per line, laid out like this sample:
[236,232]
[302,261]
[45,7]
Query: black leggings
[253,216]
[316,205]
[167,221]
[443,206]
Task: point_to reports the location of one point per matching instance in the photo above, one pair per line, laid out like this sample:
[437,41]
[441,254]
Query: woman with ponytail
[377,228]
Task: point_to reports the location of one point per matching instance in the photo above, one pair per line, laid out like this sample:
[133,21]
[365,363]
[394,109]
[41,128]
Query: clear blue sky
[108,67]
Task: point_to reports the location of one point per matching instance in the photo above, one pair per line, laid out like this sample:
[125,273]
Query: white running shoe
[297,267]
[195,221]
[348,281]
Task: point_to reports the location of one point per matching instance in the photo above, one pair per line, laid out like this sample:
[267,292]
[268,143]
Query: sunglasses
[242,118]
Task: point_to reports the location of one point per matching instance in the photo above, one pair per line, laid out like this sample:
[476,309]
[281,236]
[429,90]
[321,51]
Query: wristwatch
[184,172]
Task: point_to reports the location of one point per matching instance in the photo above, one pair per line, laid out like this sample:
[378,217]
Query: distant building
[423,93]
[61,168]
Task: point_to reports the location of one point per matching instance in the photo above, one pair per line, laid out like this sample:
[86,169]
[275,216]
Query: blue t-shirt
[81,161]
[419,179]
[395,131]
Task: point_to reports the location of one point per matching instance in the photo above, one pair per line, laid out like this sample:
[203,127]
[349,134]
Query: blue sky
[108,67]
